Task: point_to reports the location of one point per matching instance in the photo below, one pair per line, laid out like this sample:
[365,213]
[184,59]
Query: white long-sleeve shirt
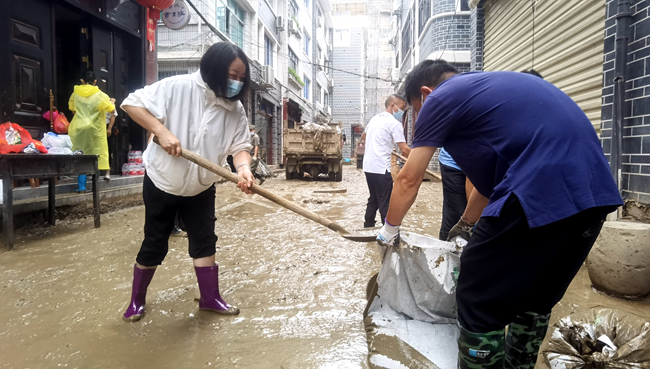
[210,126]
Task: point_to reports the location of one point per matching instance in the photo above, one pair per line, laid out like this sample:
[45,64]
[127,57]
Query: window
[293,60]
[307,4]
[230,21]
[318,92]
[425,14]
[406,36]
[293,9]
[170,73]
[326,99]
[307,42]
[305,90]
[462,5]
[268,51]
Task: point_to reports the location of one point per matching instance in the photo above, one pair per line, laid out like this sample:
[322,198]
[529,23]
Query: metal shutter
[568,44]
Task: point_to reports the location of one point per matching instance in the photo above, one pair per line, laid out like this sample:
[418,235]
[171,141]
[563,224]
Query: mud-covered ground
[300,287]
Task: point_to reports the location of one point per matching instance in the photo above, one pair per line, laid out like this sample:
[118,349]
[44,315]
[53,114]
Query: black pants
[508,268]
[160,211]
[454,198]
[380,187]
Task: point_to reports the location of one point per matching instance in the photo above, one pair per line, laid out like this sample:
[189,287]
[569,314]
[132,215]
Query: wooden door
[26,63]
[102,58]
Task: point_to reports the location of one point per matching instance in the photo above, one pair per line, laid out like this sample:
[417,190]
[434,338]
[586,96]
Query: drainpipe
[623,19]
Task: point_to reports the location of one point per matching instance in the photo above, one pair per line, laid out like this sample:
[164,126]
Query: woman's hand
[247,181]
[169,143]
[108,132]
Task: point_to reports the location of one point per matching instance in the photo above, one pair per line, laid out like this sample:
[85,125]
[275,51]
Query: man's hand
[388,235]
[462,229]
[169,143]
[244,185]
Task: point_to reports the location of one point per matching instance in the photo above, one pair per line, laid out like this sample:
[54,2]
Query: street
[300,287]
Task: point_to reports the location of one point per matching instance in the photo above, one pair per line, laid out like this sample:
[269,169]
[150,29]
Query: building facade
[349,64]
[572,44]
[45,45]
[288,47]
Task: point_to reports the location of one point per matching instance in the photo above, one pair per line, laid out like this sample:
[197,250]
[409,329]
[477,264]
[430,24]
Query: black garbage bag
[599,338]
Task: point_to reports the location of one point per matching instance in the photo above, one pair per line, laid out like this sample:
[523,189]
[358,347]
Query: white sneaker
[107,176]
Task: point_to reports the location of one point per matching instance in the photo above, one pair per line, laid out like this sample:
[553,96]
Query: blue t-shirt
[515,133]
[445,159]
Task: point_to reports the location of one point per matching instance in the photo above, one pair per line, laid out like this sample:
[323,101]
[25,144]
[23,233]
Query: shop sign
[176,16]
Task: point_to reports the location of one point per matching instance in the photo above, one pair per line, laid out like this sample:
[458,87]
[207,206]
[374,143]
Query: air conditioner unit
[279,24]
[267,75]
[293,27]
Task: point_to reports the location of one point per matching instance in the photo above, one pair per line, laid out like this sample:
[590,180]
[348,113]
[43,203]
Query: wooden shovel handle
[427,171]
[227,174]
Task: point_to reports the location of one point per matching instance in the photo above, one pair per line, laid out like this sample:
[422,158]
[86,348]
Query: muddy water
[300,287]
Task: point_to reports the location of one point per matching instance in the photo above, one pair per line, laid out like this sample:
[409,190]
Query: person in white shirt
[200,112]
[382,133]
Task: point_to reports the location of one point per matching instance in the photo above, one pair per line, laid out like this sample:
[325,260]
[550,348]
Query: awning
[473,3]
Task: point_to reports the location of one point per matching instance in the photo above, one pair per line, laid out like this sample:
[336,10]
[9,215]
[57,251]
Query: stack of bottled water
[135,166]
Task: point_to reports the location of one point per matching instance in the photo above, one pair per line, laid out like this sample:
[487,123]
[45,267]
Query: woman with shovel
[199,112]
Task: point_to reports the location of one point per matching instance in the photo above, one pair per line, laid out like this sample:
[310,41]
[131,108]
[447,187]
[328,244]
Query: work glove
[462,228]
[388,235]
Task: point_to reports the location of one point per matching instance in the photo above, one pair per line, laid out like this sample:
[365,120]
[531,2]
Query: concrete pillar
[619,263]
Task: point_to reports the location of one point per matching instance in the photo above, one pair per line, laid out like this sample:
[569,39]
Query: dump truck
[313,149]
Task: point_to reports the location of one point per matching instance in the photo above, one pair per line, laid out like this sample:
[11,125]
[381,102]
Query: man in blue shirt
[454,192]
[542,191]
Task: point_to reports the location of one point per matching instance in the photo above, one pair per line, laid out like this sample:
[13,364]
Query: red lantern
[155,6]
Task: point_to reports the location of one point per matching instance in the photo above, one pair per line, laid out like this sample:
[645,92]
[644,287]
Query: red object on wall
[151,30]
[155,6]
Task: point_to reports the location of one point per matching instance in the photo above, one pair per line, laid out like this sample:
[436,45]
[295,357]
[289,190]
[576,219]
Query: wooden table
[22,166]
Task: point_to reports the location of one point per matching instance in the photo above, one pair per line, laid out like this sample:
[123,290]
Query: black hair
[533,72]
[428,73]
[391,99]
[88,76]
[214,68]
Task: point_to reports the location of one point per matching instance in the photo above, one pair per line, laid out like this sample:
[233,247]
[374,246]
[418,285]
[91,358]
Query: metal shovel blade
[359,237]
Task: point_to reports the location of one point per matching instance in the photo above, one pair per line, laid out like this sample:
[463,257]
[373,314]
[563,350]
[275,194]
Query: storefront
[45,45]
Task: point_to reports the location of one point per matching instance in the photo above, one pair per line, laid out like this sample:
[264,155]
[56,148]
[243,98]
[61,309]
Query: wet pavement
[300,287]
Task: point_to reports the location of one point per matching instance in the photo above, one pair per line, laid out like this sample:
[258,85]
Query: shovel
[427,171]
[227,174]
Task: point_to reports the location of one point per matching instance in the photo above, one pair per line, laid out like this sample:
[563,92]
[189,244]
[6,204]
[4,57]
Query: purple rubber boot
[208,278]
[141,280]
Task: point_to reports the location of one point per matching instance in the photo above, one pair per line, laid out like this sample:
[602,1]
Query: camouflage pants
[525,336]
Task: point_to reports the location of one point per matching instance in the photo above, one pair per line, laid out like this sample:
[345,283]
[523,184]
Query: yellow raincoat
[88,127]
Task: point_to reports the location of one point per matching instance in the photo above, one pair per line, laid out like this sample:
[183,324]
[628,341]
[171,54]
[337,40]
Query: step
[71,199]
[70,186]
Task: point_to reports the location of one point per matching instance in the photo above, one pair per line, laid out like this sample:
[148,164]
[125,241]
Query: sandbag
[598,338]
[410,319]
[419,278]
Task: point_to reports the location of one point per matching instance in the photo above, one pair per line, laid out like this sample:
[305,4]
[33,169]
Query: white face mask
[252,134]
